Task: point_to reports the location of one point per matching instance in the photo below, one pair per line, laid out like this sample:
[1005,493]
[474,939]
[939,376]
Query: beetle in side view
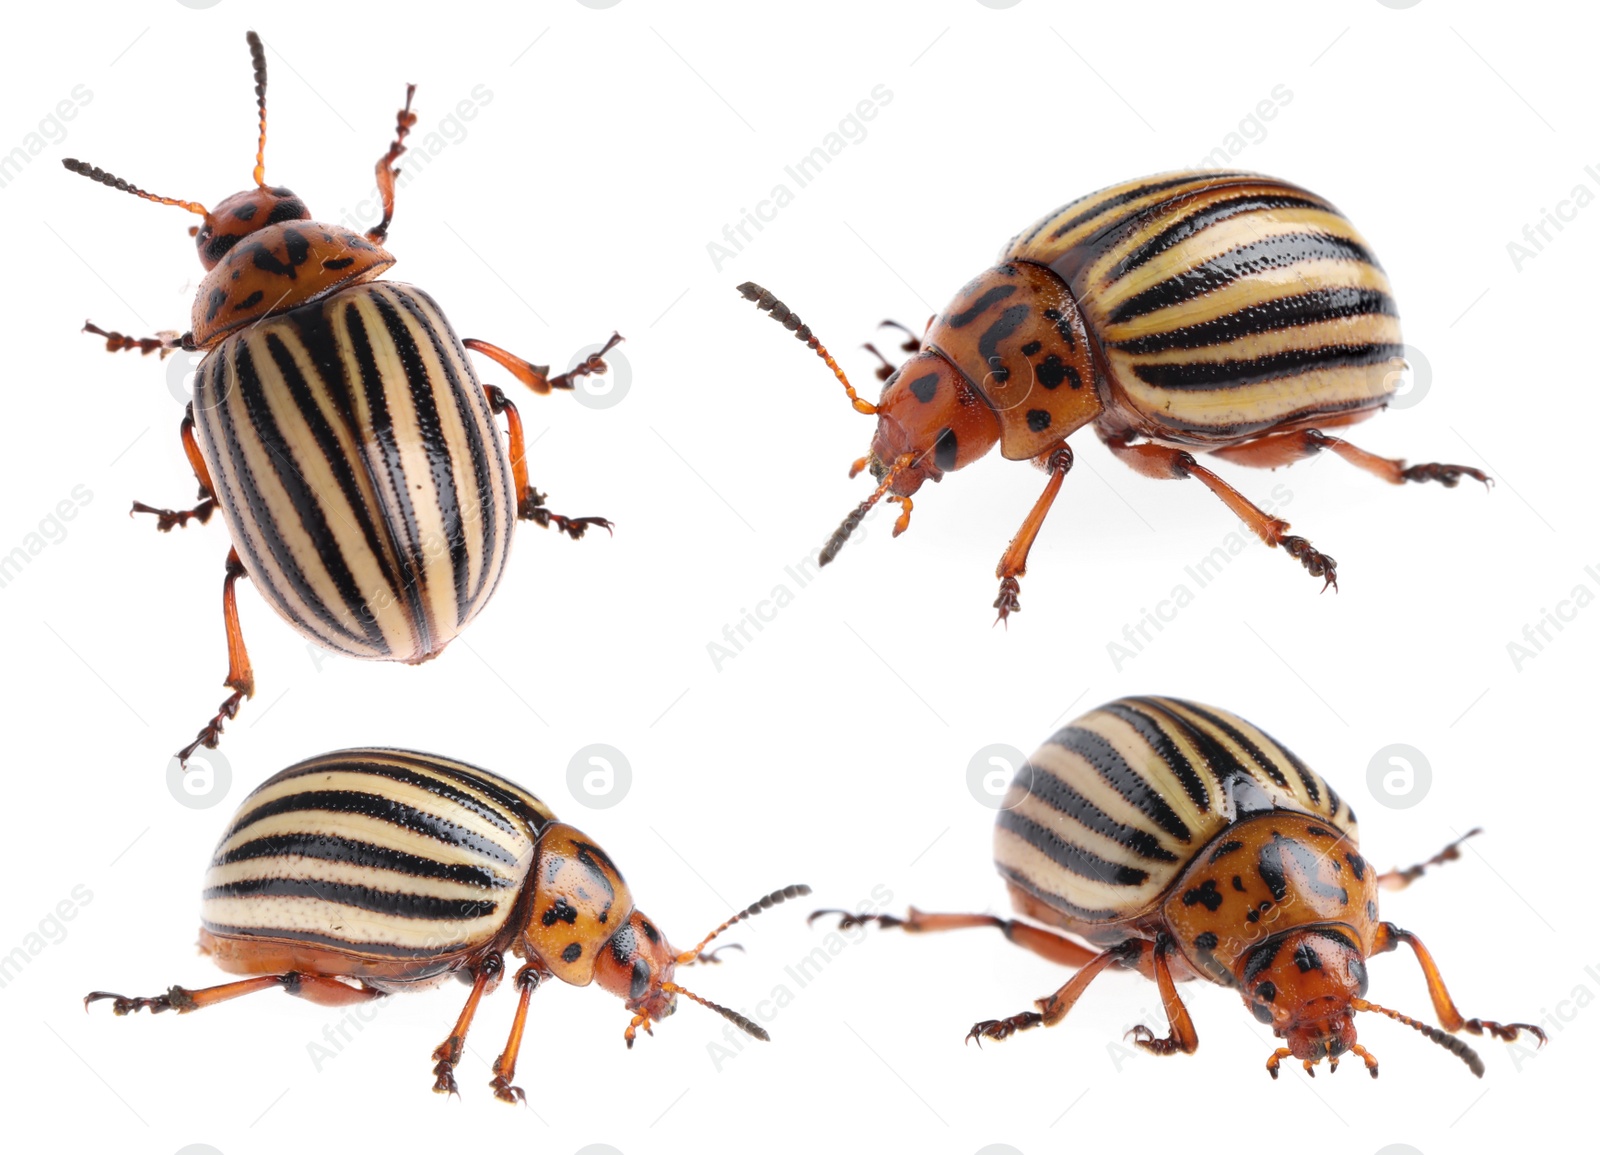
[1218,312]
[1180,841]
[338,425]
[367,872]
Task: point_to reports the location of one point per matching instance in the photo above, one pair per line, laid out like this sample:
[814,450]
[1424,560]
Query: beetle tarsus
[170,519]
[848,921]
[998,1029]
[593,363]
[532,508]
[506,1091]
[211,733]
[176,999]
[1448,476]
[1317,563]
[163,342]
[446,1055]
[1008,602]
[1144,1037]
[1505,1032]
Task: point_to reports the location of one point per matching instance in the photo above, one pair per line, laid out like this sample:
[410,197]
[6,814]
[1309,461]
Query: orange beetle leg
[1165,463]
[241,679]
[537,377]
[1045,943]
[505,1067]
[167,519]
[165,341]
[405,120]
[1053,1008]
[1014,562]
[448,1053]
[1400,879]
[1181,1035]
[1275,449]
[319,989]
[1388,936]
[530,502]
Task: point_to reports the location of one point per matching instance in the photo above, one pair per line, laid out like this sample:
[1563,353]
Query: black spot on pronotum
[215,302]
[1206,940]
[1038,420]
[1306,959]
[1358,865]
[1050,372]
[1225,849]
[572,953]
[1206,895]
[1031,348]
[967,316]
[1238,884]
[924,387]
[334,264]
[250,302]
[945,449]
[640,982]
[560,911]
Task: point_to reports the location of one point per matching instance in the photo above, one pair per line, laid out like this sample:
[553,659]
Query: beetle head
[1303,984]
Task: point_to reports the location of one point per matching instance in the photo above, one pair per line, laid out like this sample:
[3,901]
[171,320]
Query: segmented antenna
[258,57]
[733,1017]
[116,182]
[786,317]
[1455,1046]
[853,518]
[750,911]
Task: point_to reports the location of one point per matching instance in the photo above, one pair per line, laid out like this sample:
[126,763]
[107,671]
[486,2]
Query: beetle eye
[641,979]
[1262,1012]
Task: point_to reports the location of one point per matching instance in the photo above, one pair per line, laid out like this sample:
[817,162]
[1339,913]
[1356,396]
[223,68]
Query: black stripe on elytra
[1157,738]
[981,305]
[391,466]
[505,794]
[1268,766]
[1277,252]
[1219,760]
[314,329]
[1134,787]
[474,415]
[1058,795]
[1133,194]
[422,781]
[1313,782]
[1057,901]
[441,466]
[1069,855]
[431,952]
[1204,218]
[383,809]
[1212,375]
[369,855]
[396,904]
[1291,312]
[1004,325]
[306,505]
[1200,433]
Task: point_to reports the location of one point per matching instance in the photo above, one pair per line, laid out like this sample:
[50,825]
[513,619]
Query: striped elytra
[357,465]
[340,428]
[374,871]
[1219,312]
[1181,841]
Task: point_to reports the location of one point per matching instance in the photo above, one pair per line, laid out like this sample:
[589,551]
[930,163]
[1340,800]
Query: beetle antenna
[786,317]
[1455,1046]
[733,1017]
[853,519]
[116,182]
[258,57]
[755,908]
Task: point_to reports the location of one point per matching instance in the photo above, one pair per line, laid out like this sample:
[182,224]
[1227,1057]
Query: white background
[834,749]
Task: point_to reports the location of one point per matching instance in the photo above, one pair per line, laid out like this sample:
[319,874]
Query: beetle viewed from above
[1180,841]
[338,425]
[1194,312]
[368,872]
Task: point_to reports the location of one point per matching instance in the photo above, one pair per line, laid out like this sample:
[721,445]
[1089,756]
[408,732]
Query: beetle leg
[1181,1035]
[537,377]
[1163,463]
[1053,1008]
[1014,562]
[1275,449]
[1400,879]
[320,989]
[166,519]
[448,1053]
[165,341]
[530,502]
[505,1067]
[1045,943]
[1388,936]
[404,121]
[241,678]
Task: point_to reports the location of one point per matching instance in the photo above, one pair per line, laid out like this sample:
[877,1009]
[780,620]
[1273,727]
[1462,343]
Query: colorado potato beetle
[1180,841]
[368,872]
[1220,312]
[339,426]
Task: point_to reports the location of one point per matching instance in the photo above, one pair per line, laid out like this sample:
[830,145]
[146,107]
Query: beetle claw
[1008,602]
